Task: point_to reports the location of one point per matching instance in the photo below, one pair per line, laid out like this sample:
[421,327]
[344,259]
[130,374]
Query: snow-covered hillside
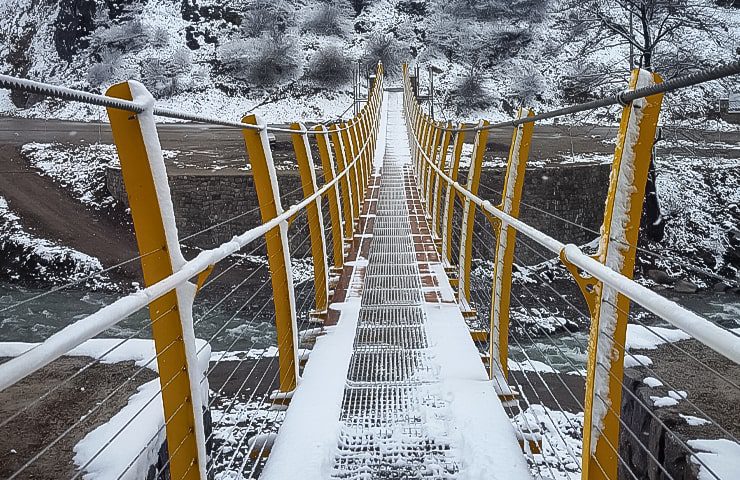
[283,58]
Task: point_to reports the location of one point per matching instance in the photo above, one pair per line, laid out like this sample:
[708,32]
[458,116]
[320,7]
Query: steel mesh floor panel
[404,337]
[388,366]
[400,258]
[392,296]
[373,282]
[395,316]
[374,269]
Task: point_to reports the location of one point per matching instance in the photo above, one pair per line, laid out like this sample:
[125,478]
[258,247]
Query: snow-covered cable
[698,327]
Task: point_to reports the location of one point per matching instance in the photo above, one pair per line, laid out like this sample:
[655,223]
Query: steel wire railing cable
[146,324]
[126,381]
[97,406]
[100,319]
[634,357]
[48,90]
[486,327]
[570,391]
[254,391]
[140,411]
[246,378]
[621,98]
[249,453]
[554,397]
[125,262]
[647,408]
[687,320]
[690,266]
[260,430]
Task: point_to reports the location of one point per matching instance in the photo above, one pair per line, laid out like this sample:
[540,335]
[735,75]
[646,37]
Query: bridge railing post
[344,182]
[315,219]
[446,138]
[278,254]
[145,178]
[511,196]
[353,176]
[329,169]
[450,195]
[357,153]
[609,309]
[430,172]
[468,217]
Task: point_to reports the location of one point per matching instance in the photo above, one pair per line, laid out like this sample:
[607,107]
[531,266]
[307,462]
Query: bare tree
[643,26]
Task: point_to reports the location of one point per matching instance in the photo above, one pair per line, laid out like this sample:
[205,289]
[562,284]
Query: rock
[685,286]
[659,276]
[721,287]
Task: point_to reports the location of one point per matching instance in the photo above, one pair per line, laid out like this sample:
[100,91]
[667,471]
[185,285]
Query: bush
[527,83]
[160,38]
[99,74]
[164,77]
[471,94]
[274,18]
[330,19]
[126,37]
[264,61]
[385,49]
[330,67]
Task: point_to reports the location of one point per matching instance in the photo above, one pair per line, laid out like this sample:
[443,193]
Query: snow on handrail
[86,328]
[56,91]
[689,322]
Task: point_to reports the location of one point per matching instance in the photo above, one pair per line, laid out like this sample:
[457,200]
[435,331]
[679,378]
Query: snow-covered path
[397,388]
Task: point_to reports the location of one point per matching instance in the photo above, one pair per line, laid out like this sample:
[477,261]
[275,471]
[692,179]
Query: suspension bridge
[394,365]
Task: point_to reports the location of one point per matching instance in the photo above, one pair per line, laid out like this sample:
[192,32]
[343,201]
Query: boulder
[659,276]
[721,287]
[685,286]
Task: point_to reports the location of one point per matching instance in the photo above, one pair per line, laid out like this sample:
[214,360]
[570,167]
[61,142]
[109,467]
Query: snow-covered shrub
[527,83]
[331,18]
[386,49]
[160,37]
[126,37]
[99,74]
[263,61]
[163,77]
[329,67]
[274,17]
[471,94]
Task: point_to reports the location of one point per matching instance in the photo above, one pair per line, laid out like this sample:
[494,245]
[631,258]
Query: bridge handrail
[56,91]
[691,323]
[86,328]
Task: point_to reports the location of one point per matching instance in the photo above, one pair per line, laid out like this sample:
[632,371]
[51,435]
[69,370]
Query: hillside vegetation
[289,58]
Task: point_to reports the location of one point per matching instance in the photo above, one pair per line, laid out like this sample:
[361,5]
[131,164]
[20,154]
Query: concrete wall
[574,192]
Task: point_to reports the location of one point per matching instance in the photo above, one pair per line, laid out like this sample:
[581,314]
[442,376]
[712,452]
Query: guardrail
[605,279]
[346,152]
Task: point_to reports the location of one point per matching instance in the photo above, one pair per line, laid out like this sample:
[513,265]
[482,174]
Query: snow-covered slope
[187,50]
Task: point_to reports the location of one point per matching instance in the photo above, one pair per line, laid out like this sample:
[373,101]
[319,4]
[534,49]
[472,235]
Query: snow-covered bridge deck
[396,389]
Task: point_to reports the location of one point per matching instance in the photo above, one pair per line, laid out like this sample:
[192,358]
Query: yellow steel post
[354,138]
[315,217]
[330,172]
[344,182]
[446,139]
[426,158]
[431,173]
[511,196]
[617,248]
[349,152]
[278,255]
[450,195]
[468,219]
[154,224]
[361,142]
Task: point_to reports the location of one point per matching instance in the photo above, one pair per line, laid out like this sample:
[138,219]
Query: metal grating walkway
[395,388]
[389,397]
